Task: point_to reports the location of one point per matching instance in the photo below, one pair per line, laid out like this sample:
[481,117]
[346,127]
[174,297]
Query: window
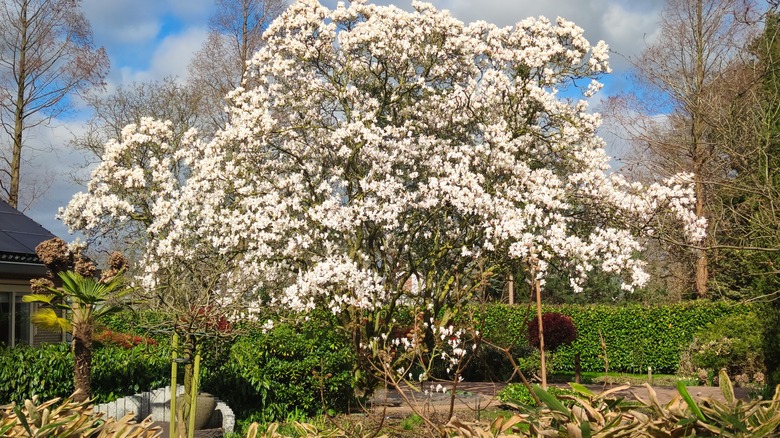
[15,326]
[22,325]
[6,319]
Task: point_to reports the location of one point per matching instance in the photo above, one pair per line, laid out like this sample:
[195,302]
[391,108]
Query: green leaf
[585,429]
[550,400]
[38,298]
[689,400]
[687,421]
[726,387]
[582,389]
[22,419]
[767,428]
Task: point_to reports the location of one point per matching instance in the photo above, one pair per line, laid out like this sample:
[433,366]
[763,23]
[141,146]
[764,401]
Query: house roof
[19,235]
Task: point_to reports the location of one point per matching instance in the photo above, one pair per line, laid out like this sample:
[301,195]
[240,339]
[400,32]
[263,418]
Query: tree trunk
[19,106]
[700,153]
[82,360]
[701,267]
[511,287]
[543,364]
[188,353]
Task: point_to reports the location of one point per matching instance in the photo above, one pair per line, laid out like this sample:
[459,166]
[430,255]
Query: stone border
[157,403]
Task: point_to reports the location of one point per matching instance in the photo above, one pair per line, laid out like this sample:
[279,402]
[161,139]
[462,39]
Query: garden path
[477,396]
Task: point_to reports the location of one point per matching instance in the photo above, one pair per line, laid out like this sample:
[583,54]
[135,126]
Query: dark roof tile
[19,234]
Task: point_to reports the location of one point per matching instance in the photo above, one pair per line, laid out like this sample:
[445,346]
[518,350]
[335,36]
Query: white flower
[374,144]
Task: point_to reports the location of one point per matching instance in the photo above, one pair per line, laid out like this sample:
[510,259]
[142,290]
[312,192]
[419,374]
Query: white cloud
[174,53]
[171,57]
[628,31]
[117,22]
[194,11]
[49,160]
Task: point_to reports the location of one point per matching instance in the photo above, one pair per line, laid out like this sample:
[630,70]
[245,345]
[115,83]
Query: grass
[623,378]
[412,422]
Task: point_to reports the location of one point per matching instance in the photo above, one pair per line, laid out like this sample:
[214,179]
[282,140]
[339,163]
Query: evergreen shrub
[733,343]
[301,366]
[46,371]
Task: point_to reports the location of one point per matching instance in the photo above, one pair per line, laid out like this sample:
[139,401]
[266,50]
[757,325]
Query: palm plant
[82,302]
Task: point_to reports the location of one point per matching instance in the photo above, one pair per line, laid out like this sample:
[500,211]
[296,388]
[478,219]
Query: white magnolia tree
[377,146]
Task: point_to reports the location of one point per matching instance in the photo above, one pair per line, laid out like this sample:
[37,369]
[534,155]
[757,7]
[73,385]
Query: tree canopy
[371,149]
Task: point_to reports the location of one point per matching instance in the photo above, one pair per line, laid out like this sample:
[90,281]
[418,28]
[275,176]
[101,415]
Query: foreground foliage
[68,419]
[587,414]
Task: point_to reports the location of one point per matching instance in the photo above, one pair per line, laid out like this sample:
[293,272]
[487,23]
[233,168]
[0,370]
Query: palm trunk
[82,360]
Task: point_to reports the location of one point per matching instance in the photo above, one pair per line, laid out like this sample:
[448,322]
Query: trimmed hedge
[635,336]
[47,371]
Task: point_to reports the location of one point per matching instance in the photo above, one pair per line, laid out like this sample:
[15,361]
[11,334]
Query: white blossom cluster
[368,142]
[397,355]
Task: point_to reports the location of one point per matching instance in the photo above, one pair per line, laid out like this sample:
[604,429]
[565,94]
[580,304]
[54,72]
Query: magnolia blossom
[370,145]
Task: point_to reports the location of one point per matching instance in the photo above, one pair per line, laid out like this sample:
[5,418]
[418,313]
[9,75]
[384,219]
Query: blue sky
[152,39]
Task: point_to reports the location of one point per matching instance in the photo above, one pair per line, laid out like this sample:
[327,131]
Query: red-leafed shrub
[558,330]
[121,339]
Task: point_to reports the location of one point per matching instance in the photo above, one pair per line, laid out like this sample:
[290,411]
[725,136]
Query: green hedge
[635,336]
[308,365]
[48,371]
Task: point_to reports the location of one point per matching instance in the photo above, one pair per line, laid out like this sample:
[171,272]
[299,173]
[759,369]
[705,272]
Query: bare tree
[46,55]
[167,99]
[670,119]
[235,35]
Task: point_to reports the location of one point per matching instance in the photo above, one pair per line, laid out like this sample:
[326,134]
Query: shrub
[771,318]
[301,366]
[518,394]
[124,340]
[47,371]
[119,371]
[141,323]
[733,343]
[558,331]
